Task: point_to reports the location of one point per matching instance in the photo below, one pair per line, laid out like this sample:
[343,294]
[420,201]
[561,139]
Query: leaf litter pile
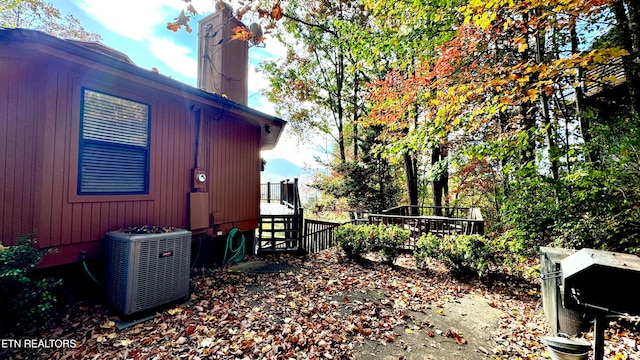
[319,307]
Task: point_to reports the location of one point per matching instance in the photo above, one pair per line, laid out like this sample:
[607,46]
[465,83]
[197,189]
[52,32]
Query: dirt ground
[471,316]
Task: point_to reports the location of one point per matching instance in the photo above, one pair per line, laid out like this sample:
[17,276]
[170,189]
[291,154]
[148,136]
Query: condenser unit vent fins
[146,270]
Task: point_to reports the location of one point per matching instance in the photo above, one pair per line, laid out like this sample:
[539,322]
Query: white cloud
[178,58]
[301,154]
[138,19]
[257,81]
[132,19]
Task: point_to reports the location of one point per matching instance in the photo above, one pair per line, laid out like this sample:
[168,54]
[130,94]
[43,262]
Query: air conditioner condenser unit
[144,271]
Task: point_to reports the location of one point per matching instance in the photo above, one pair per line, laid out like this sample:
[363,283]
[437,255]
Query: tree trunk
[527,154]
[382,170]
[355,115]
[411,170]
[553,150]
[440,183]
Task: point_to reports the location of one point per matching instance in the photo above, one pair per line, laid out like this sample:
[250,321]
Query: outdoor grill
[601,283]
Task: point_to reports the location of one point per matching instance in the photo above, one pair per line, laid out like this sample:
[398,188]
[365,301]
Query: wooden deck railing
[319,235]
[285,192]
[437,225]
[413,210]
[270,192]
[292,233]
[280,232]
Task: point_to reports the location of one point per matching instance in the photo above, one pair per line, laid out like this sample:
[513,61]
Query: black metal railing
[281,232]
[284,192]
[436,225]
[414,210]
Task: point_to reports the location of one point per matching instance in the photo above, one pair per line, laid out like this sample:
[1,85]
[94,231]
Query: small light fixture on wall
[267,129]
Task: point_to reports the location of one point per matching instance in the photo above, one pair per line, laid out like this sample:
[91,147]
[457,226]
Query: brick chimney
[222,62]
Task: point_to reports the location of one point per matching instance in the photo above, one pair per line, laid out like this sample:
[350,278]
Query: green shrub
[357,240]
[354,239]
[465,255]
[390,241]
[24,302]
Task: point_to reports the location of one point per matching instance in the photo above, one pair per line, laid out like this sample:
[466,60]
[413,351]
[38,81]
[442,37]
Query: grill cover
[602,281]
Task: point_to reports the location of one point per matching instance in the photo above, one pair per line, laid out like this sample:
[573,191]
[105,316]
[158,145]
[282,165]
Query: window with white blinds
[114,145]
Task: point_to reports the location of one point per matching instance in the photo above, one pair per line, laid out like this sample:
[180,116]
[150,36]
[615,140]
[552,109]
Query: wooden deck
[418,225]
[282,228]
[275,209]
[281,217]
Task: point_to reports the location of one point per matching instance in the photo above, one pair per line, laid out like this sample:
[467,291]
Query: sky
[138,29]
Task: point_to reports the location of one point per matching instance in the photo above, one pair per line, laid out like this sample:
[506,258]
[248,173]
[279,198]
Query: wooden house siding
[40,110]
[234,163]
[17,162]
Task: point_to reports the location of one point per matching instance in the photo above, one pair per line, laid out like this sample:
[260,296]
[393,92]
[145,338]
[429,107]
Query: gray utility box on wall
[146,270]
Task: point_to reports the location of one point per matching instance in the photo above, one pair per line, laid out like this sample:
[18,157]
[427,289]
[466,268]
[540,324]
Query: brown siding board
[226,175]
[69,211]
[154,166]
[220,164]
[122,222]
[47,162]
[163,146]
[57,158]
[37,142]
[86,222]
[214,141]
[18,143]
[5,239]
[10,163]
[25,178]
[172,141]
[96,216]
[187,163]
[104,219]
[177,170]
[236,164]
[128,214]
[113,216]
[136,216]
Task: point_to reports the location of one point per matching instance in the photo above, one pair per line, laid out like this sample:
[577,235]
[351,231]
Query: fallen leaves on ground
[322,308]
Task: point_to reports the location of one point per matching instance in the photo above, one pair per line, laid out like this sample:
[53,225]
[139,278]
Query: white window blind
[114,147]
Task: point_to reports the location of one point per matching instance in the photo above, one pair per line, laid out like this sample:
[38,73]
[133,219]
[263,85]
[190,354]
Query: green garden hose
[86,268]
[238,252]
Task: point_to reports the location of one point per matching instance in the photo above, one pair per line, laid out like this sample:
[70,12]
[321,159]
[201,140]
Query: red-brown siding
[39,139]
[234,163]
